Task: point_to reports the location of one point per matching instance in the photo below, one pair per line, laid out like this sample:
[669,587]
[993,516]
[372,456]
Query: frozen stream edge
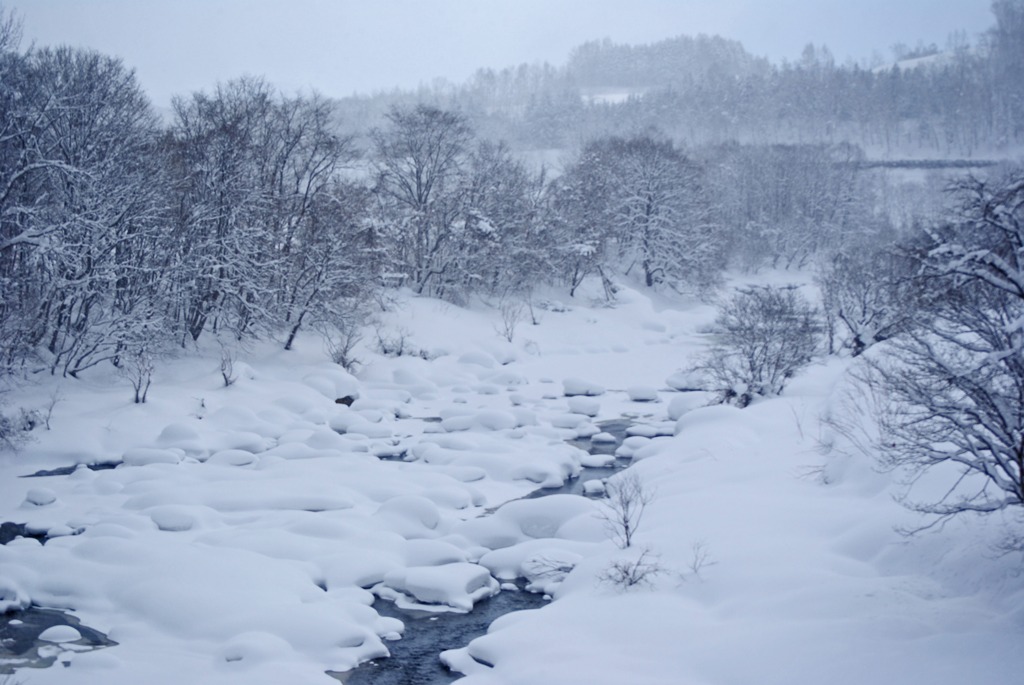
[415,658]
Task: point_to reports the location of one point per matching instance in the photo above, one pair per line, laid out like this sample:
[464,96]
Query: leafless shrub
[395,343]
[227,366]
[512,312]
[342,335]
[53,400]
[630,573]
[137,367]
[700,559]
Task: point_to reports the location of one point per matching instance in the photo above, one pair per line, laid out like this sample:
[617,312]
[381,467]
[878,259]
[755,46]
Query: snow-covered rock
[455,586]
[581,404]
[40,497]
[573,387]
[642,393]
[60,633]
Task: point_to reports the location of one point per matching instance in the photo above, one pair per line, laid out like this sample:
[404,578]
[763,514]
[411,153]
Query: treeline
[254,214]
[964,101]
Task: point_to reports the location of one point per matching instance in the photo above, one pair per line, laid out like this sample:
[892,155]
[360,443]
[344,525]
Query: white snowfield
[241,538]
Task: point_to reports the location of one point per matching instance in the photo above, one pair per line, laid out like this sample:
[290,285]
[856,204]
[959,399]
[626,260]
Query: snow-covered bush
[15,428]
[764,335]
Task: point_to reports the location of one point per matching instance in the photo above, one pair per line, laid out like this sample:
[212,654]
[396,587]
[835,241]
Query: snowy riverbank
[240,538]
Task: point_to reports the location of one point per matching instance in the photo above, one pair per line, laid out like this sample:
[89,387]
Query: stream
[20,646]
[415,658]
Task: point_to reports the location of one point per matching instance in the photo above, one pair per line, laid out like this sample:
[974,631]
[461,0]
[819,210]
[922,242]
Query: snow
[576,386]
[584,405]
[12,597]
[247,529]
[40,497]
[457,585]
[642,393]
[60,634]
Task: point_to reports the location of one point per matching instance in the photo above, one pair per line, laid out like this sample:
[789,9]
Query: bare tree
[420,159]
[10,30]
[626,500]
[871,293]
[955,382]
[80,209]
[137,367]
[512,312]
[330,269]
[637,205]
[227,366]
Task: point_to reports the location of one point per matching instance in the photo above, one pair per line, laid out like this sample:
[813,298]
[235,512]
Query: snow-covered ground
[238,541]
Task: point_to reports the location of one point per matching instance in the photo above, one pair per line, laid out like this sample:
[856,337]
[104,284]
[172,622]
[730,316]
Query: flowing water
[415,658]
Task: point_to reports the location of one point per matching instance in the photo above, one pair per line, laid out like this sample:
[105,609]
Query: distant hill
[674,61]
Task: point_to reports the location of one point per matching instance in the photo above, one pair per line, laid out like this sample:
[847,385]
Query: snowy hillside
[246,529]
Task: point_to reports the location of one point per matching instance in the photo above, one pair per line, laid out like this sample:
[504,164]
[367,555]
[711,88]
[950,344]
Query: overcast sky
[343,46]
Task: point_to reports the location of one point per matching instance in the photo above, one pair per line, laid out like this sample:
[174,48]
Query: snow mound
[630,445]
[255,647]
[173,519]
[58,634]
[232,458]
[144,456]
[12,597]
[455,586]
[685,380]
[411,516]
[554,516]
[642,393]
[580,404]
[573,387]
[687,402]
[40,497]
[595,461]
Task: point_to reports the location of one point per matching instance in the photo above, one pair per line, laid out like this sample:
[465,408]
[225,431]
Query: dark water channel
[614,427]
[20,646]
[68,470]
[415,658]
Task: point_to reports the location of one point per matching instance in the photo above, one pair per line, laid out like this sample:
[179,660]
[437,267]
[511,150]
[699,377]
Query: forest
[248,212]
